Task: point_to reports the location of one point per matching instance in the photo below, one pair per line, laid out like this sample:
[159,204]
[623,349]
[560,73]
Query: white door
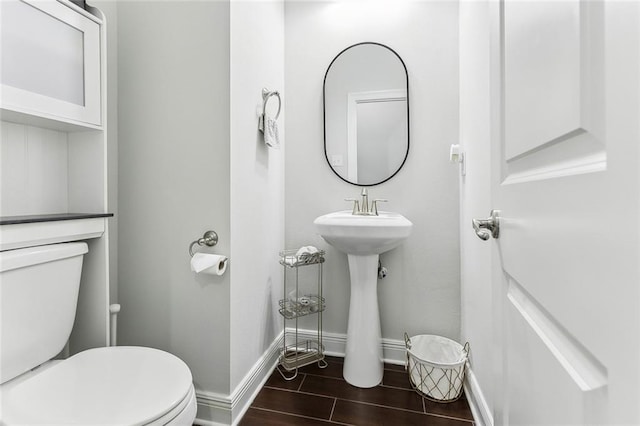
[565,153]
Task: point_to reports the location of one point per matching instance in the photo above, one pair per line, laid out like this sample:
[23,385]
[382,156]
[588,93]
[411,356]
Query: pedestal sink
[363,239]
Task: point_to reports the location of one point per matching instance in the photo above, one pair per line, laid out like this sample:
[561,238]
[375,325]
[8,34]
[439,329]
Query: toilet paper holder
[210,239]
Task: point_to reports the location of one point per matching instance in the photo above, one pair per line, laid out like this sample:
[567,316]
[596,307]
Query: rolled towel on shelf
[290,260]
[306,250]
[300,257]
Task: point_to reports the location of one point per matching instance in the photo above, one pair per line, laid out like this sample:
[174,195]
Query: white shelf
[21,235]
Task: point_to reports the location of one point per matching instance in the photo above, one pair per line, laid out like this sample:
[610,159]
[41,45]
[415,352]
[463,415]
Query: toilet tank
[38,298]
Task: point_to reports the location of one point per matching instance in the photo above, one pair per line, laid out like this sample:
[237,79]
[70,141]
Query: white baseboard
[335,344]
[482,413]
[216,409]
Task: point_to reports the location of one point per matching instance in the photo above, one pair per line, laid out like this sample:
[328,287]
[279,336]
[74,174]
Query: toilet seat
[104,386]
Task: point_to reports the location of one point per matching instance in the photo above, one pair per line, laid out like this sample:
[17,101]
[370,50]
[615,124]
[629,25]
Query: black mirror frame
[324,113]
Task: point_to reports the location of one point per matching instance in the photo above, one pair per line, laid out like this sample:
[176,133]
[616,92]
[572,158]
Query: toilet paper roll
[205,263]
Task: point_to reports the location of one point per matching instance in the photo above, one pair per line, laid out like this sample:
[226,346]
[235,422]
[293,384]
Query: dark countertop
[13,220]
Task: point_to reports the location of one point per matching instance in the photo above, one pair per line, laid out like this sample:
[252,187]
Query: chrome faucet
[364,204]
[361,207]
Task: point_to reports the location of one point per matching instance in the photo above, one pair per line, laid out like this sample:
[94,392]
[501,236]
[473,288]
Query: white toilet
[103,386]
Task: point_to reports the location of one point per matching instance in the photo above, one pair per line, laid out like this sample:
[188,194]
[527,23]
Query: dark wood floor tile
[310,398]
[458,409]
[318,407]
[356,413]
[394,367]
[259,417]
[380,395]
[397,379]
[277,381]
[336,359]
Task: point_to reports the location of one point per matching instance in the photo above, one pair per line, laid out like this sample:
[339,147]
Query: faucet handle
[356,205]
[374,205]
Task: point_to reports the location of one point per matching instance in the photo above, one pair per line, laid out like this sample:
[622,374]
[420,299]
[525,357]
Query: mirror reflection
[366,114]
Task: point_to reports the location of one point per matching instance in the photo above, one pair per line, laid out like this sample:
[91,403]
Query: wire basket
[302,306]
[436,366]
[297,353]
[291,259]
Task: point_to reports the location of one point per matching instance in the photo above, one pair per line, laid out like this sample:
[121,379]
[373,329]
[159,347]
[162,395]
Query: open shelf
[291,309]
[303,353]
[297,353]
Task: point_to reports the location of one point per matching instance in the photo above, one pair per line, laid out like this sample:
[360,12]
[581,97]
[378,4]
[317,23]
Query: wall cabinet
[50,63]
[53,144]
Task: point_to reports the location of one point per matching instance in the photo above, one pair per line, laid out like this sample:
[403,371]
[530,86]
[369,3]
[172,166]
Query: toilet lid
[106,386]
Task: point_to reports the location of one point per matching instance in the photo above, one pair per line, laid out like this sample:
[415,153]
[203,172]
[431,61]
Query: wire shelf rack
[297,352]
[302,353]
[305,305]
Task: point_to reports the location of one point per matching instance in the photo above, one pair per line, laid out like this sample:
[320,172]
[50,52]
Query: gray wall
[422,292]
[174,166]
[257,183]
[189,154]
[191,76]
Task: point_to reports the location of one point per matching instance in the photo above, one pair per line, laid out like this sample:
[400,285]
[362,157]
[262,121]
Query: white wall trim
[482,415]
[250,385]
[335,344]
[231,408]
[394,351]
[219,405]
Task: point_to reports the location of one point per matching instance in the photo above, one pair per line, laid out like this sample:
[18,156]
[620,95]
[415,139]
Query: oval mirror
[366,114]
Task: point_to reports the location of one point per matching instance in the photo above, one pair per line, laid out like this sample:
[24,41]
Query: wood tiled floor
[322,397]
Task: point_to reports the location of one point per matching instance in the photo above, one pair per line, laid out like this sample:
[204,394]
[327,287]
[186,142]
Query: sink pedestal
[363,238]
[363,365]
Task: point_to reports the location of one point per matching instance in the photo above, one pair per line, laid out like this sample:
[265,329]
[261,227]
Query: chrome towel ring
[266,94]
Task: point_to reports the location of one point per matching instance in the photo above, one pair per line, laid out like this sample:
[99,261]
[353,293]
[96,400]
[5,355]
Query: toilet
[120,385]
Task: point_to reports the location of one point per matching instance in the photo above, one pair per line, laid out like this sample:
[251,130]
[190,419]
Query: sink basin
[363,239]
[363,235]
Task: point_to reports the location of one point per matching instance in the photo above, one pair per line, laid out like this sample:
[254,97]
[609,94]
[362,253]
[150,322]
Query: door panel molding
[582,366]
[552,56]
[575,153]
